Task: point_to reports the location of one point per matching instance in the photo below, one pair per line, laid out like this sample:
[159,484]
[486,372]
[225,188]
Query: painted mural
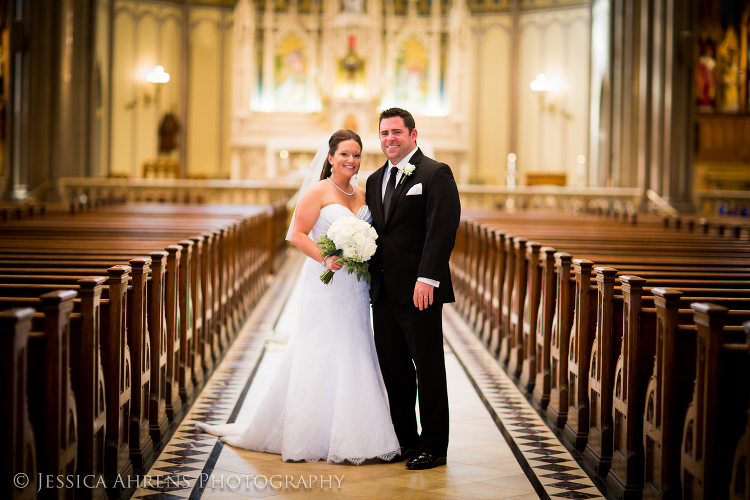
[411,74]
[291,73]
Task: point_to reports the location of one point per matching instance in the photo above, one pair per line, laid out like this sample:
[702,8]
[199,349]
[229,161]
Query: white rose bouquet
[353,240]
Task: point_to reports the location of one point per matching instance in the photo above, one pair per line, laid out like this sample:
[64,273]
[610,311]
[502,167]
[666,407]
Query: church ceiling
[400,6]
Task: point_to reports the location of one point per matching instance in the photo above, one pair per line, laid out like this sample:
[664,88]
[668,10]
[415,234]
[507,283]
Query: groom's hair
[405,115]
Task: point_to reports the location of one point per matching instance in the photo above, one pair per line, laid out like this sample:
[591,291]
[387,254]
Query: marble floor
[499,447]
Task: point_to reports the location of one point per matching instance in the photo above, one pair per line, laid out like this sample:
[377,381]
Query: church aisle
[481,464]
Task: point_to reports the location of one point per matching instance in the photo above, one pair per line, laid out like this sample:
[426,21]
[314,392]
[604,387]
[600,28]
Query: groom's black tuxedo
[414,242]
[417,239]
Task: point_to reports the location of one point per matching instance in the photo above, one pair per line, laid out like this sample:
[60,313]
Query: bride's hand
[332,264]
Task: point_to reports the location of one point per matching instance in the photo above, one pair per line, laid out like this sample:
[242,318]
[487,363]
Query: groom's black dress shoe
[406,454]
[425,461]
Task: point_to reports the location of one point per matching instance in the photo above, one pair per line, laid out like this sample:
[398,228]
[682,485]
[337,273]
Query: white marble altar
[302,72]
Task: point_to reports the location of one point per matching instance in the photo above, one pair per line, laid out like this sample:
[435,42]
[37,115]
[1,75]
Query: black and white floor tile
[507,452]
[547,460]
[177,471]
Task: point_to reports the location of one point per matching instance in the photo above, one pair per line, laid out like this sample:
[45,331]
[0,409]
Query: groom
[416,213]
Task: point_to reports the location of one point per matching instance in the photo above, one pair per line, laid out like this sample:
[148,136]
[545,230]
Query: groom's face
[395,139]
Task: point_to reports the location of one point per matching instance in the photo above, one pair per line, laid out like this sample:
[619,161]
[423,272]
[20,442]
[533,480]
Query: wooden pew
[618,317]
[538,365]
[53,413]
[17,432]
[135,300]
[715,417]
[739,489]
[641,344]
[592,307]
[669,392]
[557,408]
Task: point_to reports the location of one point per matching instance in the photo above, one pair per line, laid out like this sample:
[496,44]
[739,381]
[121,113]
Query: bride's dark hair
[333,144]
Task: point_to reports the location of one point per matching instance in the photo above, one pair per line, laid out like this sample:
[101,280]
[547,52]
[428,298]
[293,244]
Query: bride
[327,399]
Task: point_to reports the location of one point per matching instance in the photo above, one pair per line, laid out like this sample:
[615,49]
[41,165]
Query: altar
[303,70]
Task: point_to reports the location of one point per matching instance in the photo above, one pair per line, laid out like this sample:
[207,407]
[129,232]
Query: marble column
[665,155]
[185,87]
[245,82]
[459,60]
[48,90]
[625,66]
[268,55]
[433,77]
[677,177]
[515,50]
[389,61]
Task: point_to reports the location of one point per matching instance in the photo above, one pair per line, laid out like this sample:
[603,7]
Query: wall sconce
[542,84]
[157,77]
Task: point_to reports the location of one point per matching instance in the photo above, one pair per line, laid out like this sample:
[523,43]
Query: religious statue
[705,81]
[169,130]
[352,64]
[731,76]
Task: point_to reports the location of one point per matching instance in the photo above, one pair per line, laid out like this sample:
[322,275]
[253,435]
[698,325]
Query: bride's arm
[308,210]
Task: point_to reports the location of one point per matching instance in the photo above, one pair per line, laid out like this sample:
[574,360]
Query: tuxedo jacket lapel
[401,184]
[379,193]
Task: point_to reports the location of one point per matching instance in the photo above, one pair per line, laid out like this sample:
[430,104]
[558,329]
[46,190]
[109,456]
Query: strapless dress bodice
[330,213]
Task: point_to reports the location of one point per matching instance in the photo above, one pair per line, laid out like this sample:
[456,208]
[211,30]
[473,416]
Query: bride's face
[345,161]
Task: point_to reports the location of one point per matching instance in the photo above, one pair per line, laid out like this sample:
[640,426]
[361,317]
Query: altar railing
[566,198]
[178,190]
[722,202]
[473,197]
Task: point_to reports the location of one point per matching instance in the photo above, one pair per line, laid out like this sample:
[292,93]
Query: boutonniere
[406,171]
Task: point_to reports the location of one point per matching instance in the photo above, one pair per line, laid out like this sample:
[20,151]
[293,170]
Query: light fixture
[283,154]
[581,159]
[158,75]
[544,84]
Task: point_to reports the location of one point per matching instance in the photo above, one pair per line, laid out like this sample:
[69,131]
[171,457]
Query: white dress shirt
[387,176]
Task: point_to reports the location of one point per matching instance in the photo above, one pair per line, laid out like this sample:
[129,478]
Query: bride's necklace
[348,194]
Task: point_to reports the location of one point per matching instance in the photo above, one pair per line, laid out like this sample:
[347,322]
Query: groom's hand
[422,295]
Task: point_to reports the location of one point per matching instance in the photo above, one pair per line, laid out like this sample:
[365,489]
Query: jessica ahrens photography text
[233,481]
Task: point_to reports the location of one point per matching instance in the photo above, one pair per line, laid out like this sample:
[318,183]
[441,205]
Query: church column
[678,165]
[515,48]
[268,55]
[185,87]
[459,60]
[375,60]
[433,78]
[244,65]
[645,101]
[665,155]
[327,64]
[50,57]
[625,32]
[389,61]
[17,84]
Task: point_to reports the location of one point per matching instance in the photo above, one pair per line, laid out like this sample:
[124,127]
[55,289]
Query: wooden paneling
[722,138]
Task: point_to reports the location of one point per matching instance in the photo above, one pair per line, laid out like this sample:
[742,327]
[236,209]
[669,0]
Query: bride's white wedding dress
[327,400]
